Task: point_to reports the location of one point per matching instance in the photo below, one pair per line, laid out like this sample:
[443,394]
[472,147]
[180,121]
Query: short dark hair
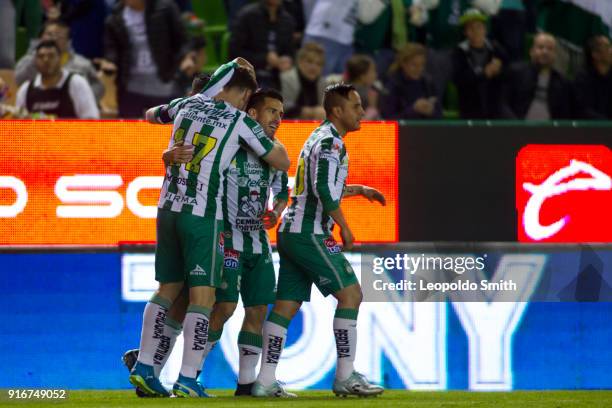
[199,82]
[242,79]
[357,66]
[335,94]
[260,95]
[59,23]
[48,44]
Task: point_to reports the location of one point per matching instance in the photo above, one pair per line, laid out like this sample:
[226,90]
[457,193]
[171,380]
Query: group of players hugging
[222,163]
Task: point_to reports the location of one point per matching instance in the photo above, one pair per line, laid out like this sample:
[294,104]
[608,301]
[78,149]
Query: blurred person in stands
[296,9]
[593,86]
[303,86]
[410,93]
[535,90]
[263,34]
[59,32]
[509,27]
[7,34]
[332,25]
[55,91]
[192,65]
[145,43]
[8,110]
[361,73]
[478,66]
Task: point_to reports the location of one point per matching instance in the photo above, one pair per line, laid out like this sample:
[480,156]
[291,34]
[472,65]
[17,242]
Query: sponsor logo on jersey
[232,259]
[253,168]
[180,198]
[332,246]
[182,181]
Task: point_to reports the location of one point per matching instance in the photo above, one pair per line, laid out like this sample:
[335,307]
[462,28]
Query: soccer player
[308,252]
[189,222]
[248,264]
[248,268]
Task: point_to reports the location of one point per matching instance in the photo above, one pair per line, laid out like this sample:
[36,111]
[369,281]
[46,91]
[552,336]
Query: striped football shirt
[319,182]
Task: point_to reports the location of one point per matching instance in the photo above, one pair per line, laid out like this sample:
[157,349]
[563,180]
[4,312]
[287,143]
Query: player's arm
[164,114]
[345,231]
[272,152]
[370,193]
[280,189]
[328,159]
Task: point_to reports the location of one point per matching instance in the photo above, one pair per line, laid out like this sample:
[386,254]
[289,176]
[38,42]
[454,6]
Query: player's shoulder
[252,125]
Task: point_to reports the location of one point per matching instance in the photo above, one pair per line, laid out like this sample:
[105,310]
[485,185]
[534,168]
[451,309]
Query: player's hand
[246,64]
[373,194]
[269,219]
[178,154]
[347,238]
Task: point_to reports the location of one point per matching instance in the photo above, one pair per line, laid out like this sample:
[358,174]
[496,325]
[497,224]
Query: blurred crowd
[409,59]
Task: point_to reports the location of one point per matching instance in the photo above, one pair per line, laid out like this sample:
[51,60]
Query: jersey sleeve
[219,79]
[252,135]
[327,158]
[166,113]
[280,186]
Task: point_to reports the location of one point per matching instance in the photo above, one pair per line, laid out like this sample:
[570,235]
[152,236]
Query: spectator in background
[593,86]
[7,34]
[535,90]
[192,65]
[411,95]
[29,14]
[477,69]
[303,86]
[361,73]
[263,34]
[145,42]
[509,27]
[296,9]
[72,62]
[232,7]
[86,21]
[332,25]
[55,91]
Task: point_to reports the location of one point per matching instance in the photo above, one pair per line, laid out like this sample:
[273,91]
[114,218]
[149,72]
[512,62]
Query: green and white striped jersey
[319,182]
[247,185]
[217,130]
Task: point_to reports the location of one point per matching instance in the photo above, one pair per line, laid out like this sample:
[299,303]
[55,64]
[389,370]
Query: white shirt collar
[38,80]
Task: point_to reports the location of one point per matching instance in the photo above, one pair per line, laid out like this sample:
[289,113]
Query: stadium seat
[213,13]
[451,102]
[224,50]
[212,53]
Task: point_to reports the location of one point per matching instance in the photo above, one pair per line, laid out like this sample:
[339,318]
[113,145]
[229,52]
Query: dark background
[457,181]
